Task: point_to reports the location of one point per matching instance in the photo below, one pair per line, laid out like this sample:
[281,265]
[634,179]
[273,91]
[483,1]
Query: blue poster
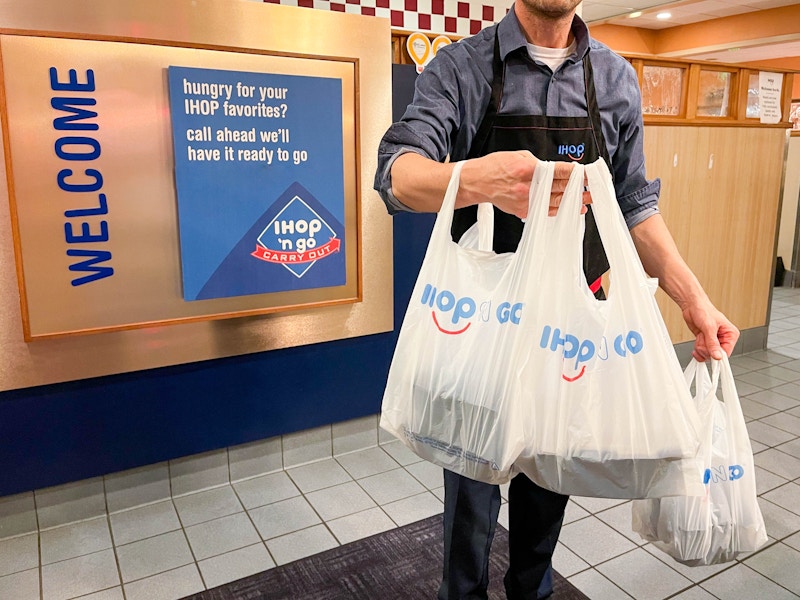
[259,172]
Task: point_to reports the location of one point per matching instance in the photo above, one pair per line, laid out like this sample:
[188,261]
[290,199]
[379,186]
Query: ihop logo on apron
[572,151]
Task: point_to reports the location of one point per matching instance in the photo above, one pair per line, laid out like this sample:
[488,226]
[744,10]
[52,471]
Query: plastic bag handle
[622,255]
[485,226]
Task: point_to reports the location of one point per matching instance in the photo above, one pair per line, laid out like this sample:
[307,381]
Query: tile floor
[169,549]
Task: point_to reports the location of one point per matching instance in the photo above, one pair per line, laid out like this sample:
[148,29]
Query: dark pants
[470,516]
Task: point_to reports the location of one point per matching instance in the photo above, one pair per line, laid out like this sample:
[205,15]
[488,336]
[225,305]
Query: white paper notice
[769,95]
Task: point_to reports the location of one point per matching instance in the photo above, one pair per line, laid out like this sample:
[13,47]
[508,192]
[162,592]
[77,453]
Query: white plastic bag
[726,521]
[610,413]
[452,394]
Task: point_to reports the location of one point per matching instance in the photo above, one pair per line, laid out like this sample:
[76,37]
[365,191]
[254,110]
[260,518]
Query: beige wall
[791,191]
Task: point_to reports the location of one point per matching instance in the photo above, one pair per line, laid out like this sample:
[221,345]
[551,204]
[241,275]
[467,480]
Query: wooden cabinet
[720,195]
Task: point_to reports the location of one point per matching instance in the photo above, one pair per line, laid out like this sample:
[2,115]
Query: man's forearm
[661,259]
[420,182]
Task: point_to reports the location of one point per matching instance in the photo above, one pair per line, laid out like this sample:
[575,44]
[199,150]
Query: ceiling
[685,12]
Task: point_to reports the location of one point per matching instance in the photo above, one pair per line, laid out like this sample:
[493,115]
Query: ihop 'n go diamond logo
[296,238]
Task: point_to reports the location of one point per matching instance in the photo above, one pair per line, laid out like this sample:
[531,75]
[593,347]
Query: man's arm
[660,257]
[502,178]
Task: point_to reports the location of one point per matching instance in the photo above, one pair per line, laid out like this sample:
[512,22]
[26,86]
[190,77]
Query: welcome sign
[167,191]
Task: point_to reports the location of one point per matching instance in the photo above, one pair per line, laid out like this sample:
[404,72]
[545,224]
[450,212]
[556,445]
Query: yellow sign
[421,49]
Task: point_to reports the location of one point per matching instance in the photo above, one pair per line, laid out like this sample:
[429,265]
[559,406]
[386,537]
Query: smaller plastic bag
[726,521]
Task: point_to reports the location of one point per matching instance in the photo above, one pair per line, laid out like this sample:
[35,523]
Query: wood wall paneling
[721,203]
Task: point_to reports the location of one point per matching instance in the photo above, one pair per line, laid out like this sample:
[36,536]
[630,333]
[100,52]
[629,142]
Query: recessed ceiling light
[634,15]
[664,15]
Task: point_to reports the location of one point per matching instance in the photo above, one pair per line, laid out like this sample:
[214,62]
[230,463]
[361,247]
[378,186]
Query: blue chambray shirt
[453,92]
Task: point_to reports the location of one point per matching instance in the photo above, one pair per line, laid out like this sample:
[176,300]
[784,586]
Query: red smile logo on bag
[445,301]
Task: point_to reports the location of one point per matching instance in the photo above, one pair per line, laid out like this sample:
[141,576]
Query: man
[533,87]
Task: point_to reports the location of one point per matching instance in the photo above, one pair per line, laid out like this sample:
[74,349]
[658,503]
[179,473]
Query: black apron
[548,138]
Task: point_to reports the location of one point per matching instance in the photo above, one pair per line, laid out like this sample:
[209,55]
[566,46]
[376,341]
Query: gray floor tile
[779,521]
[743,582]
[767,434]
[793,541]
[19,554]
[779,563]
[594,541]
[774,399]
[792,351]
[759,379]
[401,453]
[428,474]
[574,512]
[791,447]
[766,481]
[756,410]
[20,586]
[339,500]
[771,357]
[748,362]
[415,508]
[694,593]
[69,541]
[265,490]
[80,576]
[392,485]
[367,462]
[114,593]
[360,525]
[790,390]
[70,502]
[221,535]
[153,555]
[169,585]
[143,522]
[694,574]
[781,372]
[566,562]
[235,565]
[207,505]
[594,505]
[784,421]
[745,388]
[786,496]
[502,516]
[755,446]
[643,576]
[597,587]
[17,515]
[283,517]
[301,543]
[780,463]
[318,475]
[619,517]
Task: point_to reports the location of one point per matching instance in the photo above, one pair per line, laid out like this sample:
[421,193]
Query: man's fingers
[562,170]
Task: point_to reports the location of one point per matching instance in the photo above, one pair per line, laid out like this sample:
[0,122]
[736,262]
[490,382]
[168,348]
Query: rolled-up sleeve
[620,99]
[439,121]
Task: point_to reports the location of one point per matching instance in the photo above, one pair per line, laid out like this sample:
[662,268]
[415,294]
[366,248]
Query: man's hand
[714,333]
[504,179]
